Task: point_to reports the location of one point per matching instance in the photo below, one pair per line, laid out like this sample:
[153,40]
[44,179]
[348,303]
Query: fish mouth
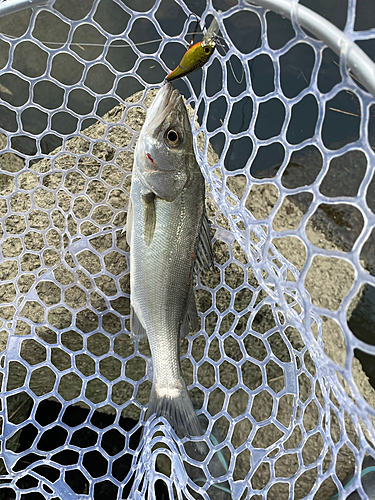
[162,105]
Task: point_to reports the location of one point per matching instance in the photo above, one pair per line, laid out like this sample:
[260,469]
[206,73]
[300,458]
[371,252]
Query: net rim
[351,56]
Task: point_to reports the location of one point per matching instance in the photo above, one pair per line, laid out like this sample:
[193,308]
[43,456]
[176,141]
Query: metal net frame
[288,412]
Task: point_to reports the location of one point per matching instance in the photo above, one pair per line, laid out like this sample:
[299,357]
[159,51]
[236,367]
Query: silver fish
[169,239]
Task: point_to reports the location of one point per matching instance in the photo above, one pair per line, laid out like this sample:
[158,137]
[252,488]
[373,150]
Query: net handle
[358,62]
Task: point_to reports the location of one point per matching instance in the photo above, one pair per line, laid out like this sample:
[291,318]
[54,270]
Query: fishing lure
[198,54]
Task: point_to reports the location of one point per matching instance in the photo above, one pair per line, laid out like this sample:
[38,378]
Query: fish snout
[164,102]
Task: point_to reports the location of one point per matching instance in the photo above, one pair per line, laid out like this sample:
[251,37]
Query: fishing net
[287,153]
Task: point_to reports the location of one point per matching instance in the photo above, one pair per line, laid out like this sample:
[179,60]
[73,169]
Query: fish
[197,55]
[168,233]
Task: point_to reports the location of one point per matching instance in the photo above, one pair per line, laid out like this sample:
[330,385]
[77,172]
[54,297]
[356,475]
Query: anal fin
[136,326]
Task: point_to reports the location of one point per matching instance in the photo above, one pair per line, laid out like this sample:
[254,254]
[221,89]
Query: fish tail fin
[176,407]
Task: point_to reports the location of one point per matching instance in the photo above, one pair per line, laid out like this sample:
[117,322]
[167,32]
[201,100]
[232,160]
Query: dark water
[362,324]
[93,461]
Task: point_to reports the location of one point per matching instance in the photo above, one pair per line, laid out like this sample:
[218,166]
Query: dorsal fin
[191,316]
[204,256]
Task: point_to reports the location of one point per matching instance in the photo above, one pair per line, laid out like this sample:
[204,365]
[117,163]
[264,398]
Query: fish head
[165,145]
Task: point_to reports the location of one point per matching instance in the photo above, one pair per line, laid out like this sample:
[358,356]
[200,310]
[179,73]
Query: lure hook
[196,28]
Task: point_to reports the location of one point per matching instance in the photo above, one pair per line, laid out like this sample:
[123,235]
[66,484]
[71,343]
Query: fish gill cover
[276,371]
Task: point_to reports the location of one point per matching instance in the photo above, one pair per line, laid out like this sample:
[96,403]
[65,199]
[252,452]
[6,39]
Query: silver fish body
[168,234]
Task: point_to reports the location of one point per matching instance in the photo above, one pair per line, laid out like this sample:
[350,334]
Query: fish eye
[207,50]
[173,138]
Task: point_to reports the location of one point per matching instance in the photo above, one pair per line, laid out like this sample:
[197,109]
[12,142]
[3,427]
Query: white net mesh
[274,368]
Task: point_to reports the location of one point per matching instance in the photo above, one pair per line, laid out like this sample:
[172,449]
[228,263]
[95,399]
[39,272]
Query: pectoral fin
[148,200]
[204,256]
